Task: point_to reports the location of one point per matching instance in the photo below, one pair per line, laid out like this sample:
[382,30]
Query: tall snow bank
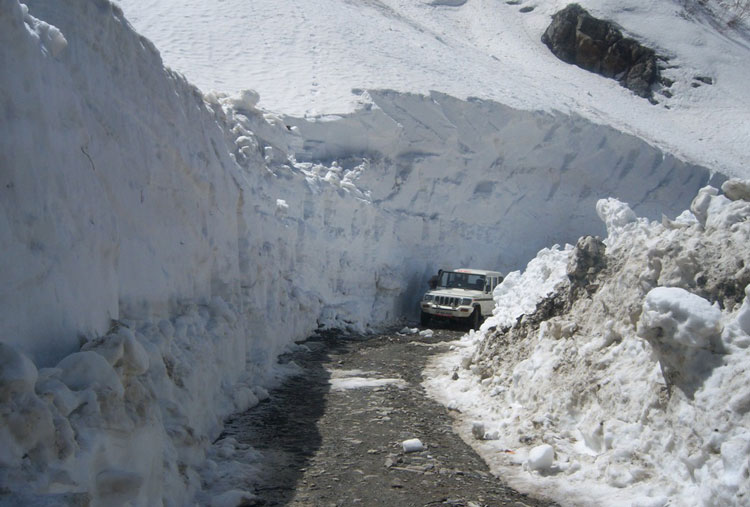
[474,177]
[150,275]
[633,370]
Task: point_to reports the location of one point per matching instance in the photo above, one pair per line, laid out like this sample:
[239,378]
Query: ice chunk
[135,358]
[541,457]
[261,393]
[25,421]
[244,398]
[734,454]
[671,314]
[701,202]
[63,398]
[615,214]
[17,373]
[412,445]
[83,370]
[740,402]
[233,498]
[743,316]
[426,333]
[736,189]
[246,100]
[121,350]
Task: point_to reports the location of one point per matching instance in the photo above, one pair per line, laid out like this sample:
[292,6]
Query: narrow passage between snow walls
[162,247]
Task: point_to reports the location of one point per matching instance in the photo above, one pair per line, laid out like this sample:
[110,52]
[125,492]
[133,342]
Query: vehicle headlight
[428,297]
[465,301]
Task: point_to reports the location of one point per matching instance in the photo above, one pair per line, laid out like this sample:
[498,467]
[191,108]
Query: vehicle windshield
[456,280]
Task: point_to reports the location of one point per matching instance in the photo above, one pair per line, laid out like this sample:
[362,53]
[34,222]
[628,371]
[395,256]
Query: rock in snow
[577,37]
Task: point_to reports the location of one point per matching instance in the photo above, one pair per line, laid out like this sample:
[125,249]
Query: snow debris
[633,383]
[672,314]
[736,190]
[261,393]
[616,215]
[246,100]
[541,458]
[426,333]
[233,498]
[412,445]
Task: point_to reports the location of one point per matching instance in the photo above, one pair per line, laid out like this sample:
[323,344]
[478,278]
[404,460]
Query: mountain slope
[304,61]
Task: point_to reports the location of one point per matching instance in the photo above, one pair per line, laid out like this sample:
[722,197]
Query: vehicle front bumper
[449,312]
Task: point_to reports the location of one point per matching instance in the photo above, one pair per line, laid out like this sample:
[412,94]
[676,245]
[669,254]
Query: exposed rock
[587,260]
[576,37]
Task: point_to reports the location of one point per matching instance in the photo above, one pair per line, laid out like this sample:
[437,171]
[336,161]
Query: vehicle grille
[447,301]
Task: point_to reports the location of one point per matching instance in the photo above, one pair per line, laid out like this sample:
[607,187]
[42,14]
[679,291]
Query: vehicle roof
[478,272]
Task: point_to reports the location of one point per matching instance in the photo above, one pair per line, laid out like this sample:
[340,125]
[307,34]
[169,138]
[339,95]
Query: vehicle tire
[425,319]
[475,319]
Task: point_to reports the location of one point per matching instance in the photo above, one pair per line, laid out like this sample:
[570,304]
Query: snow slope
[162,246]
[304,60]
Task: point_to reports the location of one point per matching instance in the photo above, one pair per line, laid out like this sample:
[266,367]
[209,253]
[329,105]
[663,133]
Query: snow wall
[161,247]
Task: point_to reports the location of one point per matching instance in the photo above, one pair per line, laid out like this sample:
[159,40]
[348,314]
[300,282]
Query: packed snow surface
[625,382]
[162,246]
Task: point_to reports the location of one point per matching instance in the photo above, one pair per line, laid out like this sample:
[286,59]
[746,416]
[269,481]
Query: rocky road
[333,435]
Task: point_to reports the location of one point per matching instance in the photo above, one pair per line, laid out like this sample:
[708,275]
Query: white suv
[464,294]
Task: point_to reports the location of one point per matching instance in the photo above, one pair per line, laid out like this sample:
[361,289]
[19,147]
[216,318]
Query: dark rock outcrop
[576,37]
[586,261]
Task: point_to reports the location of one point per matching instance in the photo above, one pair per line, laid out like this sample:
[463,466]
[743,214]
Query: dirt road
[333,435]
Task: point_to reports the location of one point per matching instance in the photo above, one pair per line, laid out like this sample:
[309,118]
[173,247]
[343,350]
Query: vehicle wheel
[475,319]
[424,319]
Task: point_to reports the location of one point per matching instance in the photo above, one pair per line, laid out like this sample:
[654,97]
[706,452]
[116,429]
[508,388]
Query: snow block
[541,457]
[615,214]
[17,373]
[736,189]
[412,445]
[671,314]
[84,370]
[743,317]
[233,498]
